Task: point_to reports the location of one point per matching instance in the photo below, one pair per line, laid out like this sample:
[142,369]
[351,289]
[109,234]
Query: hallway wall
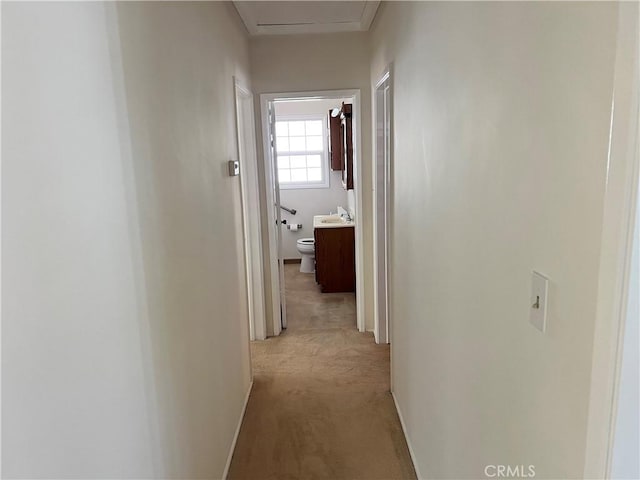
[125,333]
[501,123]
[179,61]
[298,63]
[74,394]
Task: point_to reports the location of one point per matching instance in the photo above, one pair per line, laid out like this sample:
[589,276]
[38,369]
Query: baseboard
[406,437]
[292,260]
[235,437]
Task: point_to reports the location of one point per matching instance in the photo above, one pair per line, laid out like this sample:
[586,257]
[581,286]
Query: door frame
[269,181]
[623,172]
[382,175]
[249,194]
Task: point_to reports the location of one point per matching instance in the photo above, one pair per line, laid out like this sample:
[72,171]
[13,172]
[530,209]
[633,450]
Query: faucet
[344,214]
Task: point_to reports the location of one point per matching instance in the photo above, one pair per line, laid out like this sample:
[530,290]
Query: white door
[277,261]
[250,215]
[382,200]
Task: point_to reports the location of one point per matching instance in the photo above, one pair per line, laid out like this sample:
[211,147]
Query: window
[301,143]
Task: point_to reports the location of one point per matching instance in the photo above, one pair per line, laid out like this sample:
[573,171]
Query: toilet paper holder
[294,226]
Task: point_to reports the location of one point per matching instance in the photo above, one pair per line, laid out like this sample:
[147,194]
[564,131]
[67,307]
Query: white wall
[297,63]
[179,62]
[125,352]
[308,201]
[501,122]
[73,373]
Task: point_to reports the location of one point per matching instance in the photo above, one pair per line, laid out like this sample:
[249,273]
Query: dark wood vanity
[335,259]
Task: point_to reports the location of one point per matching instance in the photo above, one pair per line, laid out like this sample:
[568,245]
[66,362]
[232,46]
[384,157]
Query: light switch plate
[538,301]
[234,168]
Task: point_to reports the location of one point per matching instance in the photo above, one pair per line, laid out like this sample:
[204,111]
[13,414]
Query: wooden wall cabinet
[341,144]
[335,259]
[335,142]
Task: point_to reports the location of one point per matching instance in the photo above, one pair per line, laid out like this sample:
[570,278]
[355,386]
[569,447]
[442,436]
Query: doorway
[382,202]
[281,172]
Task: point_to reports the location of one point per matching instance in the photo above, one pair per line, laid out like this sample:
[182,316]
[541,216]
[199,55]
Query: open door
[250,215]
[275,219]
[382,196]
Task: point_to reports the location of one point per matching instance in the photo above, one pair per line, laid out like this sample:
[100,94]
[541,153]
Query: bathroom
[320,192]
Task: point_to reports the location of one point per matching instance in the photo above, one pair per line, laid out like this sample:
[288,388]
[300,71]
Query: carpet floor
[320,406]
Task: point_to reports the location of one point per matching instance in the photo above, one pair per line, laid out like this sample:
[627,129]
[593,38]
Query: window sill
[302,186]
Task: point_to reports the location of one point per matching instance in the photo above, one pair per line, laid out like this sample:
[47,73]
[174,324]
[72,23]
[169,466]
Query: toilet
[306,247]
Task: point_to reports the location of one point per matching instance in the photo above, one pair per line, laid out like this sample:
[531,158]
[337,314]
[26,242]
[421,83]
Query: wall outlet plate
[538,301]
[234,168]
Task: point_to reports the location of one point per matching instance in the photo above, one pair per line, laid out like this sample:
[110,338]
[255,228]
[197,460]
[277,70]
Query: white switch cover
[538,301]
[234,168]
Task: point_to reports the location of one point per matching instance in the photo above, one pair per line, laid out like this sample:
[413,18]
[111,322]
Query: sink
[332,219]
[324,221]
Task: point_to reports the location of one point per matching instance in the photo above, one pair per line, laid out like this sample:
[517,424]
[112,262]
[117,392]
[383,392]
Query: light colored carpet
[320,405]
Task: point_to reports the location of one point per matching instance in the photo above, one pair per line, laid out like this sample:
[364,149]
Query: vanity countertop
[331,221]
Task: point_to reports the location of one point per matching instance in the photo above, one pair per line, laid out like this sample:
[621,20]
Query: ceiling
[271,17]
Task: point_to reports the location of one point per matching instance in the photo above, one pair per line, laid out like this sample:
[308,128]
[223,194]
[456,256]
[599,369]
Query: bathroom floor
[320,405]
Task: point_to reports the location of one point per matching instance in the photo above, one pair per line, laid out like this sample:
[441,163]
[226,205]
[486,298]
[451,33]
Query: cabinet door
[319,254]
[335,259]
[335,142]
[347,147]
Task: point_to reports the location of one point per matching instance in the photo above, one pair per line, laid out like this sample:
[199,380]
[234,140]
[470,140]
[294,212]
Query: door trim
[269,180]
[623,170]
